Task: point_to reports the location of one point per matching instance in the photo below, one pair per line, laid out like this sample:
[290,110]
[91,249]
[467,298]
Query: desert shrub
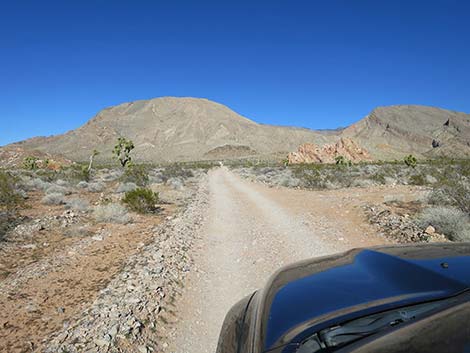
[175,183]
[35,184]
[141,200]
[340,178]
[74,173]
[309,175]
[77,205]
[126,187]
[53,199]
[417,179]
[410,161]
[111,213]
[10,198]
[458,192]
[96,187]
[430,179]
[83,173]
[111,175]
[137,174]
[438,197]
[452,189]
[82,185]
[286,179]
[155,179]
[61,182]
[176,171]
[451,222]
[57,189]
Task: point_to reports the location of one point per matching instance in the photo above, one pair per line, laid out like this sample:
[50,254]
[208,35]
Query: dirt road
[249,231]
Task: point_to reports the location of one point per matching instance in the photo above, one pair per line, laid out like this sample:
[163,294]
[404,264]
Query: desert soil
[164,283]
[249,232]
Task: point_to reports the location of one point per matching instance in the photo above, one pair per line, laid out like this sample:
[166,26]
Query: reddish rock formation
[311,153]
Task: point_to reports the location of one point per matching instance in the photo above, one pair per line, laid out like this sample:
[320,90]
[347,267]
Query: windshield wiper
[340,335]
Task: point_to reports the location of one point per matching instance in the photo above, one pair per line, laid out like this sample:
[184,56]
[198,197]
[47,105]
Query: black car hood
[312,295]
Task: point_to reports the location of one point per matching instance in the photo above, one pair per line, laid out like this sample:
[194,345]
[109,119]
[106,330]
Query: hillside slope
[178,129]
[168,129]
[391,132]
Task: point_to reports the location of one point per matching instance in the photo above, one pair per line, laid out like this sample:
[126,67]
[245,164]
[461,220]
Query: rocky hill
[169,129]
[391,132]
[176,129]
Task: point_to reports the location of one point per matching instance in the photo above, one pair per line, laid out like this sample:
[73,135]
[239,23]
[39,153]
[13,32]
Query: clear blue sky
[311,63]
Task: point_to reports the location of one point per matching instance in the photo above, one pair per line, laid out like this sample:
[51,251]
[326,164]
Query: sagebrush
[451,222]
[111,213]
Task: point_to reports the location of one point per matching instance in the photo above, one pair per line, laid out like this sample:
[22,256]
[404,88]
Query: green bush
[141,200]
[10,202]
[411,161]
[10,199]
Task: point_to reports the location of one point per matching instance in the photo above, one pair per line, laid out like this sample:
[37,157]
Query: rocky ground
[70,264]
[81,273]
[251,230]
[442,189]
[130,313]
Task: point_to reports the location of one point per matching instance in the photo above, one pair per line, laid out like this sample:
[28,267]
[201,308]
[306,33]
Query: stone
[345,147]
[101,342]
[430,230]
[143,349]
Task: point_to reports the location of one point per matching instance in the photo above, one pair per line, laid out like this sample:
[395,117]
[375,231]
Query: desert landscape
[139,230]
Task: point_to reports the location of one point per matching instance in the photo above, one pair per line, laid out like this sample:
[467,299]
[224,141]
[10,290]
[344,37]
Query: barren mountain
[391,132]
[168,129]
[174,129]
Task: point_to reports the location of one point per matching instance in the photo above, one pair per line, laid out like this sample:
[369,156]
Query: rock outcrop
[311,153]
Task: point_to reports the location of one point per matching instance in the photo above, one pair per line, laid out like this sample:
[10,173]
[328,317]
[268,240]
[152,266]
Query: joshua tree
[92,156]
[30,163]
[411,161]
[122,151]
[342,161]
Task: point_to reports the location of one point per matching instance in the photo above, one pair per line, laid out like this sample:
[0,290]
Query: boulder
[311,153]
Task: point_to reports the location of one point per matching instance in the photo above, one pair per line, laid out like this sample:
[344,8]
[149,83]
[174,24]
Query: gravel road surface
[247,235]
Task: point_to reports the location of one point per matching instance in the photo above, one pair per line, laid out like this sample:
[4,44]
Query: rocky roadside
[400,227]
[25,232]
[131,313]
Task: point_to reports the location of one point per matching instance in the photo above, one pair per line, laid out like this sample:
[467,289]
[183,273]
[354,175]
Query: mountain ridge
[169,129]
